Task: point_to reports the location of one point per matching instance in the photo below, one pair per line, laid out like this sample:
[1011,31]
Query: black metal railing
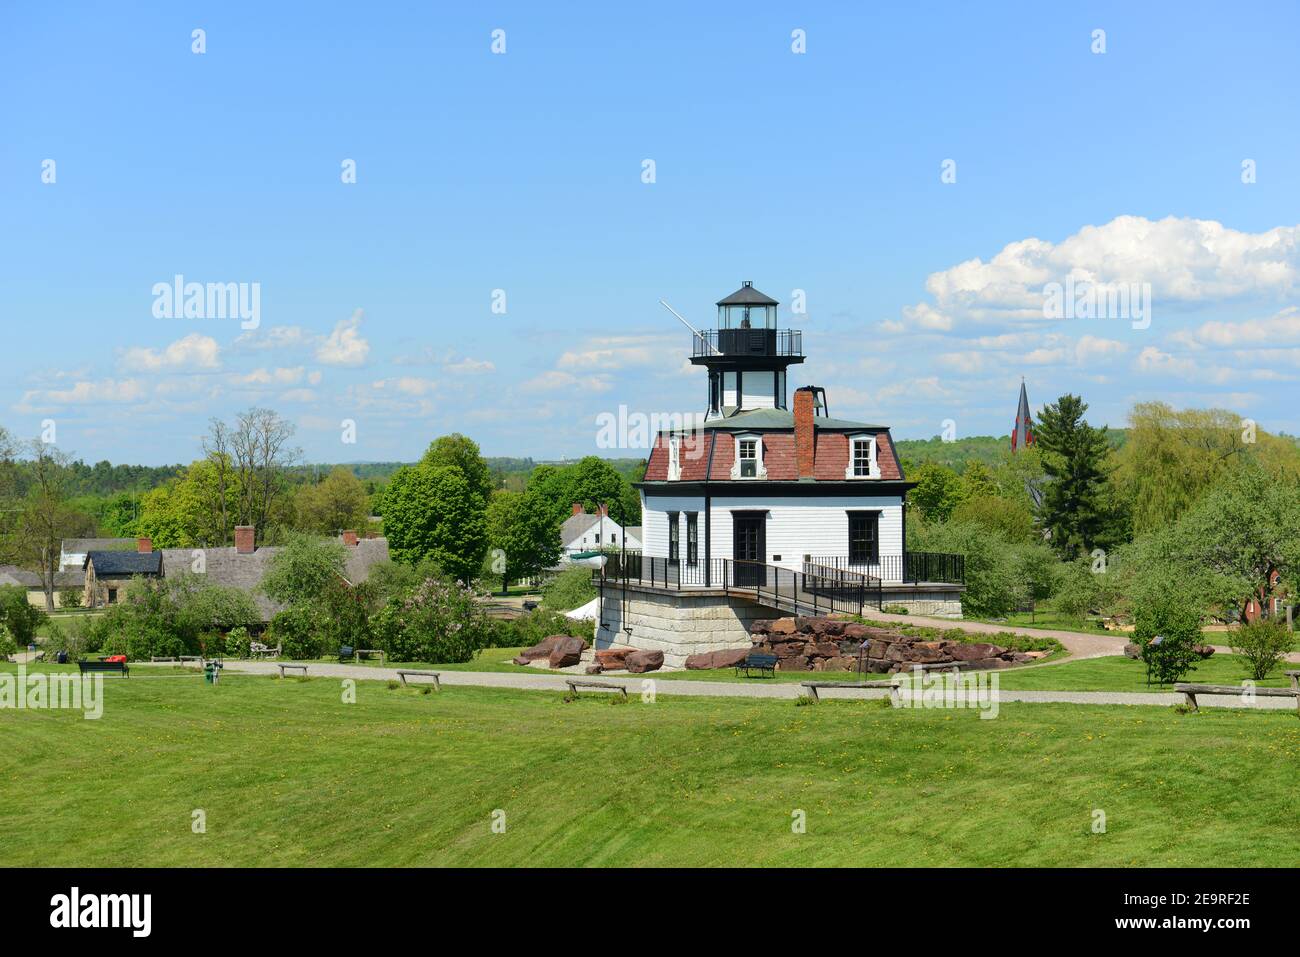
[911,567]
[815,590]
[748,342]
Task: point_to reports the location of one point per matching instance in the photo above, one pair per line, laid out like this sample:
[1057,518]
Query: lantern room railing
[748,342]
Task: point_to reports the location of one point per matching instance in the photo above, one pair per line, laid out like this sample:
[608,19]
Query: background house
[584,531]
[31,582]
[242,566]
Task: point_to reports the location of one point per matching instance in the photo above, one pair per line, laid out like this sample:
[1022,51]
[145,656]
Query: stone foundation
[922,600]
[679,625]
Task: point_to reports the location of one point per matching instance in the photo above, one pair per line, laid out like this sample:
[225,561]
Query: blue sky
[522,172]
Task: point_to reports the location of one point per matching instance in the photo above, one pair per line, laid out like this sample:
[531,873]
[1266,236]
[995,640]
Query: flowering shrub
[438,621]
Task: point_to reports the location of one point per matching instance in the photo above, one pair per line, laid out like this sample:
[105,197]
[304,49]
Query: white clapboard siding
[796,526]
[654,523]
[758,390]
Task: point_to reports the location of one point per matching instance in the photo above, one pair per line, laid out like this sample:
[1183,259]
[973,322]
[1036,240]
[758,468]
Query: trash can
[211,672]
[61,657]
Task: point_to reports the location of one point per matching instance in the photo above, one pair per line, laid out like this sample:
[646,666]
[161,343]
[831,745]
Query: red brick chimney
[577,508]
[245,539]
[604,510]
[144,545]
[805,442]
[349,538]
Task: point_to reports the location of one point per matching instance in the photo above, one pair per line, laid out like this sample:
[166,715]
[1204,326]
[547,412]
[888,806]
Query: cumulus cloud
[1153,360]
[194,352]
[82,393]
[1184,260]
[270,377]
[558,379]
[345,345]
[1283,327]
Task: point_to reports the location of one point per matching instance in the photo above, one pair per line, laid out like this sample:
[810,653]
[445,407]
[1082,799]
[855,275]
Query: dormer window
[749,458]
[674,458]
[862,458]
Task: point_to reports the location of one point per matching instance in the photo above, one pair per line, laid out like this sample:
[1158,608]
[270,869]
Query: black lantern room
[747,355]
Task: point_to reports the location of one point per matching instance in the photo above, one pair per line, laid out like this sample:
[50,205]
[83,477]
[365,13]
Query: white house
[583,531]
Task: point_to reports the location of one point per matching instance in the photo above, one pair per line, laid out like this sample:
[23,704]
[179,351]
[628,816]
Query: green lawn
[1118,673]
[1050,620]
[287,774]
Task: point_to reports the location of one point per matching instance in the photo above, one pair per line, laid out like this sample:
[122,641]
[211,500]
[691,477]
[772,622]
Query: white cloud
[1094,347]
[103,390]
[414,385]
[344,346]
[1186,260]
[270,377]
[1154,361]
[468,366]
[1283,327]
[193,352]
[557,379]
[275,337]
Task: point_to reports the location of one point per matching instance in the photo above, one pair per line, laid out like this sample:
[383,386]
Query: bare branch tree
[259,442]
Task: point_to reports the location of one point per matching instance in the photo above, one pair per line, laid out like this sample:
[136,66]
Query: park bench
[437,682]
[530,605]
[891,684]
[346,653]
[191,659]
[259,650]
[1295,679]
[576,683]
[282,665]
[105,667]
[1190,691]
[364,654]
[154,659]
[757,661]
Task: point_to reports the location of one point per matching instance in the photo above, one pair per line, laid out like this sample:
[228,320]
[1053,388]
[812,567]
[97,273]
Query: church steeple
[747,355]
[1023,433]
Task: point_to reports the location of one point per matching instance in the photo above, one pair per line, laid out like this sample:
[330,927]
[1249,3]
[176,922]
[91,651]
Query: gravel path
[1077,643]
[723,689]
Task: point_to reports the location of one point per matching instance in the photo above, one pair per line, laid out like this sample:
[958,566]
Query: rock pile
[824,644]
[560,651]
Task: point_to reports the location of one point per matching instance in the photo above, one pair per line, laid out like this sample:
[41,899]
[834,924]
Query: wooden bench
[575,683]
[105,667]
[1190,691]
[757,661]
[282,665]
[346,653]
[437,681]
[153,659]
[259,650]
[814,685]
[1295,679]
[368,653]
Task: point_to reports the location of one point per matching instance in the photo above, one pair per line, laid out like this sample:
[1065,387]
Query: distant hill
[988,449]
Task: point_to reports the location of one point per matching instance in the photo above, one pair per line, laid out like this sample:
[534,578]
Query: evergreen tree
[1074,456]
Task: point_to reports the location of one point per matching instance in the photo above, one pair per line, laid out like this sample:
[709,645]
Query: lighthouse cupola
[747,355]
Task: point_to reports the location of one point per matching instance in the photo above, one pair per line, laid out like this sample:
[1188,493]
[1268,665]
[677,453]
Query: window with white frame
[862,458]
[749,458]
[674,458]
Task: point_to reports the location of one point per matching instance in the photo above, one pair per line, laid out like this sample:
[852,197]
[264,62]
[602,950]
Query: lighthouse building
[770,506]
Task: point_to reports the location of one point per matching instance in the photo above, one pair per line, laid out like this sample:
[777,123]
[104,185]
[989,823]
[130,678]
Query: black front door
[749,547]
